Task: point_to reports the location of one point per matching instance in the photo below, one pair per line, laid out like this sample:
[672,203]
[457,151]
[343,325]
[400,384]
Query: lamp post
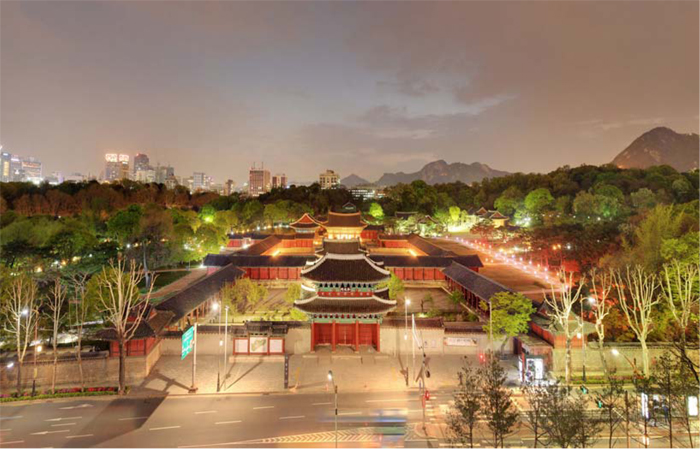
[225,345]
[215,307]
[335,414]
[591,300]
[37,350]
[406,303]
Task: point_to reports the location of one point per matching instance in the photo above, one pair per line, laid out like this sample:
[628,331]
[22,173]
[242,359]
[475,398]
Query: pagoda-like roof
[497,216]
[360,305]
[341,247]
[339,220]
[345,268]
[305,222]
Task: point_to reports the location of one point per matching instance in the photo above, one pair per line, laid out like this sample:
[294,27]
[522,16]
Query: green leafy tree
[293,293]
[376,211]
[538,201]
[510,315]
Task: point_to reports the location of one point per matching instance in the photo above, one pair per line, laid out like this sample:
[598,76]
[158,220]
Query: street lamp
[406,303]
[215,307]
[335,416]
[225,344]
[37,350]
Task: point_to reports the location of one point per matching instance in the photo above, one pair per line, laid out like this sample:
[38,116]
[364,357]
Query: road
[388,419]
[373,419]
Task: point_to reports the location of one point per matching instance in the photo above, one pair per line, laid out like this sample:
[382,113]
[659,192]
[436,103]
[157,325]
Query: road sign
[187,342]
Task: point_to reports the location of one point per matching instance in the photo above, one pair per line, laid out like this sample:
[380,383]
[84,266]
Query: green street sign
[187,342]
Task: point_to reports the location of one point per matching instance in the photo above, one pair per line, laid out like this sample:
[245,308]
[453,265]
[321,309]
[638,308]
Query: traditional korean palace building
[345,296]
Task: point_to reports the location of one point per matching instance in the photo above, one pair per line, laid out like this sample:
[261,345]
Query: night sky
[357,87]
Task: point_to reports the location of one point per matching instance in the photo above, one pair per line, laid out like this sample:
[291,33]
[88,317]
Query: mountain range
[441,172]
[661,146]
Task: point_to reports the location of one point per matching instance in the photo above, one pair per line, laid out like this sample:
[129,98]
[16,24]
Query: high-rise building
[147,174]
[279,181]
[229,187]
[116,166]
[329,179]
[200,181]
[258,181]
[31,170]
[163,172]
[11,168]
[141,162]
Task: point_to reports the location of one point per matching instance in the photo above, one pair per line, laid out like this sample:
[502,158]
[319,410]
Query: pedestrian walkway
[308,373]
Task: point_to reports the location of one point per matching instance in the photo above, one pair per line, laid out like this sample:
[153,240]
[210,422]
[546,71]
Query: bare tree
[637,298]
[464,418]
[535,396]
[499,409]
[122,304]
[82,310]
[20,315]
[610,401]
[601,284]
[561,304]
[56,302]
[680,286]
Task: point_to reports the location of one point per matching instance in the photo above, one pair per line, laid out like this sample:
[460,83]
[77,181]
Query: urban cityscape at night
[349,224]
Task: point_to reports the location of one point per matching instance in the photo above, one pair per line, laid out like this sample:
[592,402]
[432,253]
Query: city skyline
[202,89]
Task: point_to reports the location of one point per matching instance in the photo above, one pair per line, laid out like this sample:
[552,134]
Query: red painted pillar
[377,336]
[313,336]
[333,337]
[357,336]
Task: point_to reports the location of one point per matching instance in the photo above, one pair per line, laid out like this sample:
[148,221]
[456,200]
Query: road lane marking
[61,419]
[261,408]
[136,417]
[292,417]
[205,411]
[76,406]
[392,400]
[2,418]
[321,403]
[349,413]
[12,442]
[50,431]
[80,436]
[5,430]
[227,422]
[64,424]
[164,428]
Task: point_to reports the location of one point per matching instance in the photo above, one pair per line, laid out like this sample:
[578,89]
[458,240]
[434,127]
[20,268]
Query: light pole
[225,344]
[406,303]
[591,300]
[37,350]
[335,415]
[215,307]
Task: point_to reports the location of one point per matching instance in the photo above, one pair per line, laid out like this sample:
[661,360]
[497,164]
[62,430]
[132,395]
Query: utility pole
[216,307]
[193,388]
[335,414]
[225,347]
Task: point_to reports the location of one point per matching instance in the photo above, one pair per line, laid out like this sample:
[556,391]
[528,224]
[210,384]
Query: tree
[610,400]
[601,285]
[56,302]
[242,296]
[680,287]
[426,299]
[561,304]
[510,315]
[565,420]
[376,211]
[637,298]
[116,289]
[499,409]
[538,201]
[535,396]
[20,315]
[395,286]
[464,417]
[83,308]
[456,296]
[293,293]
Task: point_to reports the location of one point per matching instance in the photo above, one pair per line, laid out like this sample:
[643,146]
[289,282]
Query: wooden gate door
[324,333]
[346,334]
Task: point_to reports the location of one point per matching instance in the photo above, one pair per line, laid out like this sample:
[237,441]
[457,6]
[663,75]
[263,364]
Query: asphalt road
[392,419]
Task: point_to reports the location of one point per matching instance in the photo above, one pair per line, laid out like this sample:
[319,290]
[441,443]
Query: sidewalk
[308,373]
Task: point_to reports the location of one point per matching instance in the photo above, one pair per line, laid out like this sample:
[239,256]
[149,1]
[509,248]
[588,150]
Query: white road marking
[164,428]
[12,442]
[2,418]
[292,417]
[321,403]
[5,430]
[349,413]
[80,436]
[64,424]
[49,431]
[205,411]
[61,419]
[227,422]
[76,406]
[261,408]
[130,419]
[391,400]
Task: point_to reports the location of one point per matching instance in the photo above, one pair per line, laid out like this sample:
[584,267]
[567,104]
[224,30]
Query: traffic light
[584,390]
[427,395]
[482,358]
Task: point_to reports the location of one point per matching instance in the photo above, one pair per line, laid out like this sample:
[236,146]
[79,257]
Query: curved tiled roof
[345,268]
[341,247]
[472,261]
[339,220]
[345,305]
[305,222]
[262,246]
[428,248]
[476,283]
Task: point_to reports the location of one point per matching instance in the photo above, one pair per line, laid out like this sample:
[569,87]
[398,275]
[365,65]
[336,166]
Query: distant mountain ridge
[353,180]
[441,172]
[661,146]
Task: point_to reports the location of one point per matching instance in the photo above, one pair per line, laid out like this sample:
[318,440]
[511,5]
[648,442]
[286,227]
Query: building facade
[258,181]
[329,179]
[116,167]
[279,181]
